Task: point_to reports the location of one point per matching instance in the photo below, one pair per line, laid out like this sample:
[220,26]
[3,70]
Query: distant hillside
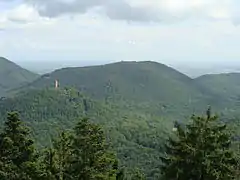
[13,76]
[224,86]
[130,81]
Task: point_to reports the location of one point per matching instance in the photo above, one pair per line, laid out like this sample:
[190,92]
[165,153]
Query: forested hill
[150,84]
[147,82]
[136,103]
[134,134]
[226,86]
[130,81]
[13,76]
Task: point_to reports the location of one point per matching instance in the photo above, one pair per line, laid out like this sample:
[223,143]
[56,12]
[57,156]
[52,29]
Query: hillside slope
[135,102]
[134,82]
[224,86]
[136,136]
[13,76]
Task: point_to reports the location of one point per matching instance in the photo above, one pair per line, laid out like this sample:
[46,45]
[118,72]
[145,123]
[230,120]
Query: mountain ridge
[123,61]
[13,76]
[131,80]
[143,81]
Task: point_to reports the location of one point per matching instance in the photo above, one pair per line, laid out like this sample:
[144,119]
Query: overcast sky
[169,31]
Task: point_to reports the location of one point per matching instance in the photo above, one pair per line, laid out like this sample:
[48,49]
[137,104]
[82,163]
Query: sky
[186,32]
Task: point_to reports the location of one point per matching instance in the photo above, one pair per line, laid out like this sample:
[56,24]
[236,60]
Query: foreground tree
[202,151]
[81,155]
[18,158]
[57,158]
[91,158]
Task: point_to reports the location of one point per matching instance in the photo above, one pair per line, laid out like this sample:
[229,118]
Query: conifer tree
[50,164]
[18,157]
[202,151]
[91,158]
[81,155]
[57,158]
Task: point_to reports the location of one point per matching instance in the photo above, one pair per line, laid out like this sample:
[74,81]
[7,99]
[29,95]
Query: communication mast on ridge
[56,84]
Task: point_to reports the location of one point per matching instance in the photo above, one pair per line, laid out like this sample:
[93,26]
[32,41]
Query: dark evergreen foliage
[18,157]
[57,159]
[91,158]
[200,152]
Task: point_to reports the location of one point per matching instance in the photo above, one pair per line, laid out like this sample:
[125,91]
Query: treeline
[201,150]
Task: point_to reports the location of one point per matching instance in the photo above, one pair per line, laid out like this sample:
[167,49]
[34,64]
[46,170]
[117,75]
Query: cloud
[85,38]
[20,16]
[139,10]
[181,30]
[164,11]
[114,9]
[23,14]
[54,8]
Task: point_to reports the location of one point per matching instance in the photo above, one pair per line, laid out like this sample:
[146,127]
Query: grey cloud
[123,11]
[114,9]
[54,8]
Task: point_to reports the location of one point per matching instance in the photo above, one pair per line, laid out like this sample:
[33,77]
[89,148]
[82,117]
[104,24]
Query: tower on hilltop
[56,84]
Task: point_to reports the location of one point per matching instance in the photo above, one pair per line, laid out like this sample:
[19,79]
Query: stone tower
[56,84]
